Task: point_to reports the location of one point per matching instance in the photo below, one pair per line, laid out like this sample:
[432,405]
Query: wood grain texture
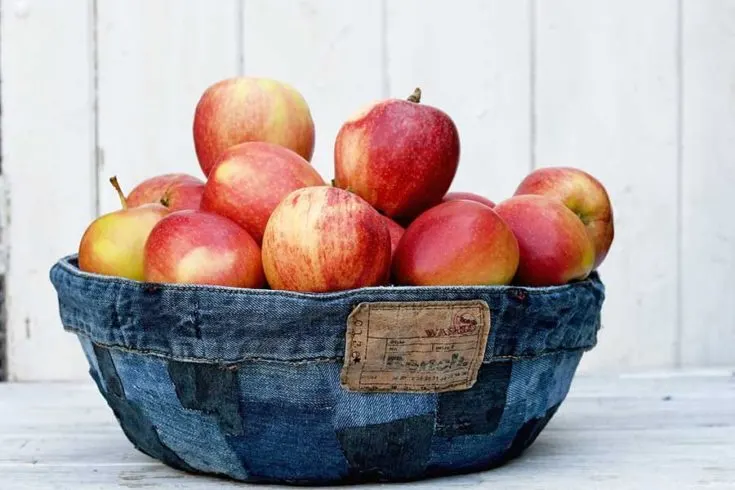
[329,51]
[708,180]
[155,60]
[672,431]
[472,60]
[606,95]
[47,157]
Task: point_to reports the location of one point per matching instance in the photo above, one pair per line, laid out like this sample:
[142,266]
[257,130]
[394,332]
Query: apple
[113,243]
[399,155]
[198,247]
[468,196]
[395,231]
[456,243]
[176,191]
[249,181]
[321,239]
[240,109]
[583,194]
[554,246]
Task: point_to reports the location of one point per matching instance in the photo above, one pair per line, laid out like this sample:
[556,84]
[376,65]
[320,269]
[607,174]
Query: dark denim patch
[528,433]
[133,421]
[271,432]
[477,410]
[209,389]
[397,450]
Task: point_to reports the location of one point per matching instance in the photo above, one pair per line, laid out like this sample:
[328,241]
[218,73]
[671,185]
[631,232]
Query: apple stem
[415,96]
[116,185]
[166,198]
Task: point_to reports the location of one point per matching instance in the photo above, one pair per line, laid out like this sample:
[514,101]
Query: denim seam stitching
[323,359]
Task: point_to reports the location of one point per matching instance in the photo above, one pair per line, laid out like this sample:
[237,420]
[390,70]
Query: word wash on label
[418,347]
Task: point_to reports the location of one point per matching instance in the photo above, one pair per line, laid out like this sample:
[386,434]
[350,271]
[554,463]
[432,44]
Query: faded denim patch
[245,383]
[187,432]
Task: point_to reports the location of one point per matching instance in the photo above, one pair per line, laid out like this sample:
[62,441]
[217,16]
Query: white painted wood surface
[154,61]
[673,431]
[48,148]
[708,180]
[606,101]
[638,93]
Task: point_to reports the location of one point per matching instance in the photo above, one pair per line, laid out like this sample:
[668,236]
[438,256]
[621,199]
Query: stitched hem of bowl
[309,360]
[65,263]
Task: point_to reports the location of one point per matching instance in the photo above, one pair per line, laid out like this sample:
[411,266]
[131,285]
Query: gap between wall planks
[560,82]
[3,238]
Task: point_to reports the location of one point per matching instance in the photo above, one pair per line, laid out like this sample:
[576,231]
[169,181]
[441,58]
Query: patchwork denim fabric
[245,383]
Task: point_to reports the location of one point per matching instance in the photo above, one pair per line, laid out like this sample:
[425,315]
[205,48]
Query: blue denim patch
[192,432]
[245,383]
[134,422]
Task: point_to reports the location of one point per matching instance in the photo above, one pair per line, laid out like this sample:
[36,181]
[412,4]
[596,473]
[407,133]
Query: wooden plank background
[638,93]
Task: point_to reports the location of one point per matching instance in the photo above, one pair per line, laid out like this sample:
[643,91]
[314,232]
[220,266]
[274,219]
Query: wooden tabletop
[648,431]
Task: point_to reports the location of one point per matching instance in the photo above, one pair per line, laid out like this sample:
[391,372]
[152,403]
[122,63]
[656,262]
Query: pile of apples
[263,217]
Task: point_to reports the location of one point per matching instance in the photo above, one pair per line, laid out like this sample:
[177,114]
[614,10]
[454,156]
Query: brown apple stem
[116,185]
[166,199]
[415,96]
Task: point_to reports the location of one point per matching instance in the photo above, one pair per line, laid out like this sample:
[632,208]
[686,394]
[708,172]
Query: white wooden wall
[640,93]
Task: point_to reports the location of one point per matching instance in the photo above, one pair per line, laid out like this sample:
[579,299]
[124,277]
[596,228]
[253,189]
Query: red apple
[176,191]
[240,109]
[399,155]
[249,181]
[583,194]
[456,243]
[113,243]
[322,239]
[395,230]
[198,247]
[554,246]
[468,196]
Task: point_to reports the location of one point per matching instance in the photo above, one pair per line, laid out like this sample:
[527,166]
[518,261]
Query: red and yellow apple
[583,194]
[240,109]
[456,243]
[468,196]
[321,239]
[113,244]
[250,179]
[399,155]
[197,247]
[176,191]
[553,243]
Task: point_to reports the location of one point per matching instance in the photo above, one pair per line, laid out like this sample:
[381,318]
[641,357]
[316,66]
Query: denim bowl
[245,384]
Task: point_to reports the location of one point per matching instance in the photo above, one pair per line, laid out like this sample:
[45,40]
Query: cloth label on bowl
[418,347]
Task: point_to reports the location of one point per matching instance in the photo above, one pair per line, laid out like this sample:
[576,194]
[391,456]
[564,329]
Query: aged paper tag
[418,347]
